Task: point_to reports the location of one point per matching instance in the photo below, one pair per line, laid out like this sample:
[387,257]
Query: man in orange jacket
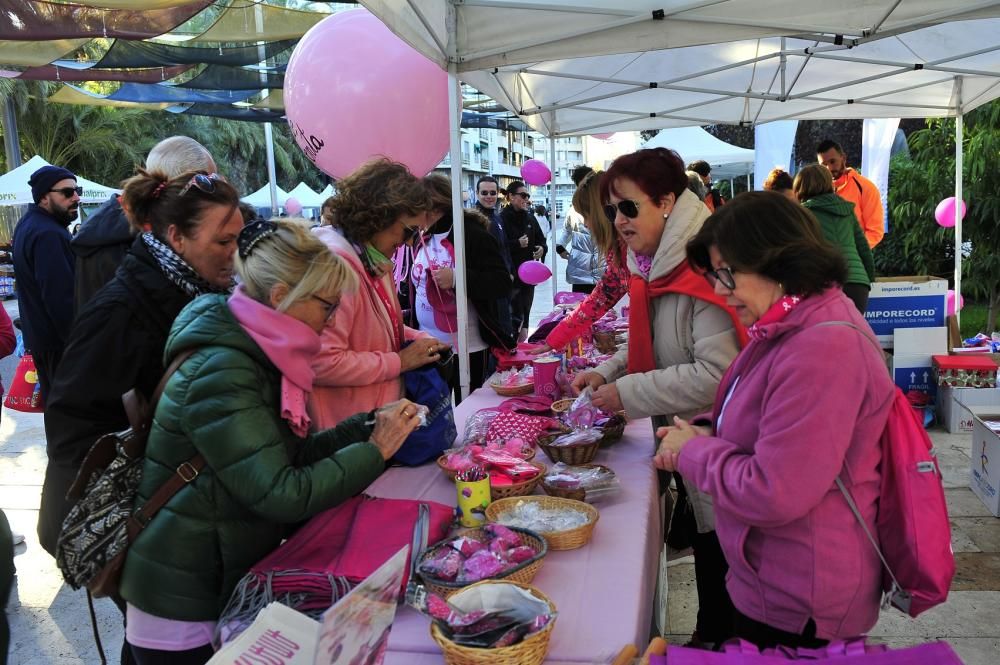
[854,187]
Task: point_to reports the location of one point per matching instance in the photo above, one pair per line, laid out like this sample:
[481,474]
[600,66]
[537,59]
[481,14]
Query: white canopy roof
[262,197]
[693,143]
[14,189]
[306,196]
[580,67]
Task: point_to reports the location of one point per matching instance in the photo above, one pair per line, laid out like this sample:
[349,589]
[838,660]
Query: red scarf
[681,279]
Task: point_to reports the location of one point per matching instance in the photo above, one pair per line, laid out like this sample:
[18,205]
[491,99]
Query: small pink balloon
[603,137]
[949,302]
[535,172]
[533,272]
[944,213]
[292,206]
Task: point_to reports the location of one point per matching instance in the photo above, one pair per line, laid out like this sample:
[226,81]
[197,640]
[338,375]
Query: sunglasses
[493,193]
[724,275]
[627,207]
[203,181]
[411,233]
[523,195]
[68,192]
[330,307]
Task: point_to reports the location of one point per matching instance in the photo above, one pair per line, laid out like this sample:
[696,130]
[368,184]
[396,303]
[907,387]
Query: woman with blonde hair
[239,403]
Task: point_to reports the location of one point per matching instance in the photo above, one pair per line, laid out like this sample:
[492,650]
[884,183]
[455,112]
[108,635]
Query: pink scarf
[288,343]
[775,313]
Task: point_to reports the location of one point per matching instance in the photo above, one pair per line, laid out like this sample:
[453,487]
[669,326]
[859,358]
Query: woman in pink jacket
[377,208]
[805,402]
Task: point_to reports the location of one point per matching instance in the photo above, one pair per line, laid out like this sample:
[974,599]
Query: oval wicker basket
[613,430]
[519,489]
[557,540]
[583,453]
[443,459]
[513,391]
[531,651]
[575,493]
[524,572]
[606,342]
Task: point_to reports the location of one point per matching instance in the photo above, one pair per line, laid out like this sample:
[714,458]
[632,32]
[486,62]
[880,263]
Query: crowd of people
[295,341]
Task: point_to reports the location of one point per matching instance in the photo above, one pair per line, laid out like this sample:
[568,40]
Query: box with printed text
[905,302]
[984,476]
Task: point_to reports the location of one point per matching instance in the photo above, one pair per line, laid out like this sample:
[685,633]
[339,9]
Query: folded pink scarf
[288,343]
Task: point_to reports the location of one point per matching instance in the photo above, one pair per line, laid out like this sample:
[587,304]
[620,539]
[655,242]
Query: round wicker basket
[442,462]
[519,489]
[577,493]
[583,453]
[513,391]
[531,651]
[606,342]
[558,540]
[523,572]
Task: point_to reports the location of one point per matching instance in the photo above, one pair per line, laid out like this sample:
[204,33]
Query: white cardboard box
[914,372]
[905,302]
[984,477]
[920,341]
[954,404]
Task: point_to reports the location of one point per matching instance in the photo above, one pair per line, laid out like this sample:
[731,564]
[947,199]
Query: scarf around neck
[288,343]
[774,313]
[176,269]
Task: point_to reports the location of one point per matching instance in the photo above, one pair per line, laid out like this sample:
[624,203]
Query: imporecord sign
[907,302]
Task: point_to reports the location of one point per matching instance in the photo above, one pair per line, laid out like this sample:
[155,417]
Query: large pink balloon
[945,212]
[603,137]
[535,172]
[949,303]
[354,91]
[292,206]
[533,272]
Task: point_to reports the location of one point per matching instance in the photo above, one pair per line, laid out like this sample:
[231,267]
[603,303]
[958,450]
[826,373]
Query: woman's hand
[393,423]
[420,352]
[444,278]
[674,439]
[544,348]
[591,380]
[607,399]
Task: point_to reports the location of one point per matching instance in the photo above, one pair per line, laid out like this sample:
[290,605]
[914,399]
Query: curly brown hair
[374,196]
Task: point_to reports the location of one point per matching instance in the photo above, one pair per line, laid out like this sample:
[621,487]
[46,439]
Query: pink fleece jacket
[357,368]
[809,403]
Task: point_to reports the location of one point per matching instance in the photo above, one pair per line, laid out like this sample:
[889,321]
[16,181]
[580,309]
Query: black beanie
[41,181]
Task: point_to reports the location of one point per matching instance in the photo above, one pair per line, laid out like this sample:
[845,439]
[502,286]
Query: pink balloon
[949,302]
[944,213]
[354,91]
[535,172]
[533,272]
[292,206]
[603,137]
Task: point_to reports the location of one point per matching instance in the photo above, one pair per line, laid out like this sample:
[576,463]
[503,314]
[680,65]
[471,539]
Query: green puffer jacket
[224,402]
[842,229]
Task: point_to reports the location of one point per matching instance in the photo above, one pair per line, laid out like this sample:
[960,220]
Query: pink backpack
[912,522]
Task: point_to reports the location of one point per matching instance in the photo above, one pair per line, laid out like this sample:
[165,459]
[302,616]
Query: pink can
[545,370]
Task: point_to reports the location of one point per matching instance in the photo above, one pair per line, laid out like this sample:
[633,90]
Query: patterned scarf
[775,313]
[177,269]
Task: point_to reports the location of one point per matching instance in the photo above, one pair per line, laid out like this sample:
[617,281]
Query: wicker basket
[557,540]
[513,391]
[531,651]
[523,572]
[606,342]
[523,488]
[583,453]
[443,460]
[578,493]
[613,430]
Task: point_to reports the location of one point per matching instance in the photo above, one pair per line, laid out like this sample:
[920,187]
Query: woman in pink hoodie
[804,403]
[377,208]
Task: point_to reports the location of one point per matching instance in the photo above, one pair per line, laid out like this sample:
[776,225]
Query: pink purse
[853,652]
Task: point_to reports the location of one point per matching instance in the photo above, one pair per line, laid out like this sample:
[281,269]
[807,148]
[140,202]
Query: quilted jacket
[224,403]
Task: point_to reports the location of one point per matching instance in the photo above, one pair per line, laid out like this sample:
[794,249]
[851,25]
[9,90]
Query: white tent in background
[327,192]
[306,196]
[14,189]
[262,197]
[693,143]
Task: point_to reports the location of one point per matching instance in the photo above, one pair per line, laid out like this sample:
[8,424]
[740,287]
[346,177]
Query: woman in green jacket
[240,401]
[814,188]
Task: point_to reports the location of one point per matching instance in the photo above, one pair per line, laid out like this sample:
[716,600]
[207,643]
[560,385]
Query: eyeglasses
[330,307]
[627,207]
[68,192]
[523,195]
[203,181]
[411,233]
[724,275]
[493,193]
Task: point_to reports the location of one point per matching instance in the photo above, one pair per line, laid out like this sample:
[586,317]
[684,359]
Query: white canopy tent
[306,196]
[14,189]
[693,143]
[588,66]
[262,197]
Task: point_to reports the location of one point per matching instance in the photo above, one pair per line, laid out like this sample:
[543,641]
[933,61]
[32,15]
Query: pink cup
[545,370]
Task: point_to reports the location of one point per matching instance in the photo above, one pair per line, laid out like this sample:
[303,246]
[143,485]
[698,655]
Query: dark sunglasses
[523,195]
[203,181]
[68,192]
[493,193]
[411,233]
[724,275]
[627,207]
[330,307]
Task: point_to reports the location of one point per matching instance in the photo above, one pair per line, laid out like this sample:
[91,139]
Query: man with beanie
[43,268]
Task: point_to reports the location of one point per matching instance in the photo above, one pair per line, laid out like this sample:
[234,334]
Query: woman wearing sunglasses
[240,402]
[377,209]
[682,337]
[526,242]
[804,403]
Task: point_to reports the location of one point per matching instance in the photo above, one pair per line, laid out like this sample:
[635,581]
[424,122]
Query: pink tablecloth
[604,590]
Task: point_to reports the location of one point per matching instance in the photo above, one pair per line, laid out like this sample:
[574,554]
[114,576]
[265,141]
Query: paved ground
[50,623]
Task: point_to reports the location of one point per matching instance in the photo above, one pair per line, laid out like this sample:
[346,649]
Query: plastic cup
[473,499]
[545,370]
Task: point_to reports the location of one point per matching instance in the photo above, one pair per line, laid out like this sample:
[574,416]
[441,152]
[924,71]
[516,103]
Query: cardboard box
[905,302]
[984,479]
[914,372]
[954,404]
[965,371]
[920,341]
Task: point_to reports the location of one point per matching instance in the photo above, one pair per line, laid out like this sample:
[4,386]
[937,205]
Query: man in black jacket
[526,242]
[106,236]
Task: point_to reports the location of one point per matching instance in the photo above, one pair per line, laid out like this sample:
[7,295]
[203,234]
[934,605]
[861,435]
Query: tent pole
[959,129]
[10,138]
[552,217]
[258,15]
